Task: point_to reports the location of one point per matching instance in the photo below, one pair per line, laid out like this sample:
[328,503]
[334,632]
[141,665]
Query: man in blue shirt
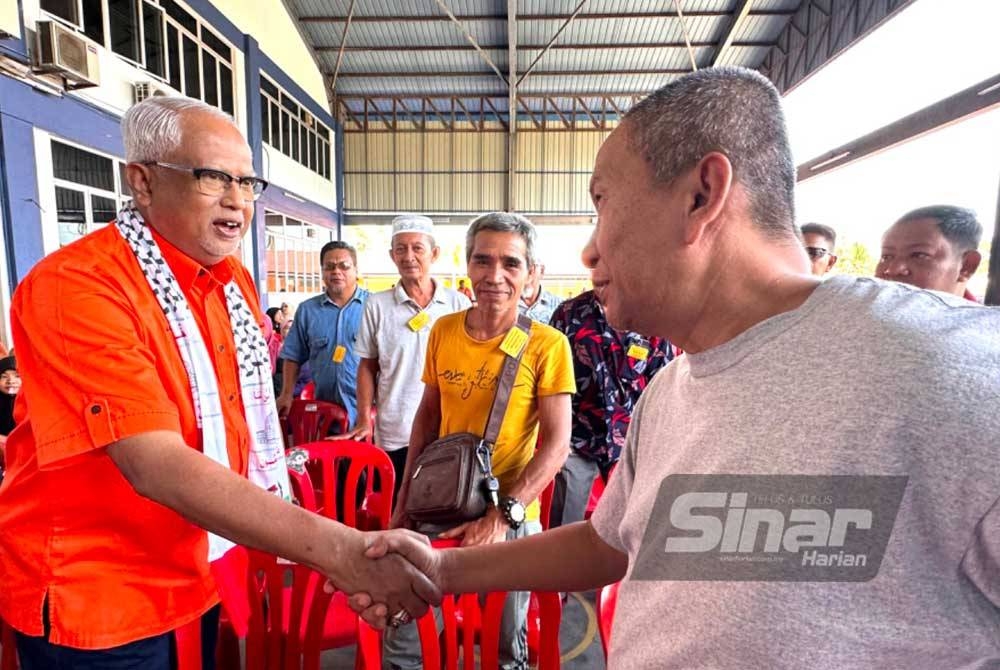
[323,333]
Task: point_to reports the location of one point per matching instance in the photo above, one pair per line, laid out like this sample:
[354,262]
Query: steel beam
[435,48]
[436,18]
[343,43]
[545,73]
[739,18]
[817,32]
[572,17]
[512,83]
[973,100]
[472,40]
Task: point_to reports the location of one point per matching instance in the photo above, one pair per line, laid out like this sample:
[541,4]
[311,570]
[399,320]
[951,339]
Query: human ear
[970,263]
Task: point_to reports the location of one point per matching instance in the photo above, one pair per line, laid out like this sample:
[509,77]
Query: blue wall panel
[23,108]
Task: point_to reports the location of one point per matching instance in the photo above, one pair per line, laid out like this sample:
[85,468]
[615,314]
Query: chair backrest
[310,420]
[545,502]
[285,598]
[607,600]
[308,391]
[324,490]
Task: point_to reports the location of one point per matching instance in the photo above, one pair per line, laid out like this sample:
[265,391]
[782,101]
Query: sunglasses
[816,253]
[343,266]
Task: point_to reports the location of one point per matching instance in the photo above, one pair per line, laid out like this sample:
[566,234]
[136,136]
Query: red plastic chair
[8,651]
[317,486]
[308,391]
[294,619]
[310,420]
[596,491]
[458,641]
[607,600]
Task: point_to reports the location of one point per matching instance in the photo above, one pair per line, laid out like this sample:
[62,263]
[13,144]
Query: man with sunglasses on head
[147,447]
[323,333]
[819,241]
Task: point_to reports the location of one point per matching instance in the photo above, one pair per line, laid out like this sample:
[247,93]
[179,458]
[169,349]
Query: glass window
[174,57]
[215,44]
[123,18]
[93,20]
[82,167]
[265,121]
[105,209]
[152,24]
[275,126]
[71,215]
[211,84]
[268,87]
[226,88]
[192,80]
[65,9]
[180,16]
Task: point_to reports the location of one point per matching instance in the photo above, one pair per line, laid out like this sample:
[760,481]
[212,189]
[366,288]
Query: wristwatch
[512,510]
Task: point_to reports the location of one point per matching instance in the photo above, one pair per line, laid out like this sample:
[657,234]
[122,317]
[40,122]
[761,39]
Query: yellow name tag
[339,353]
[419,321]
[637,352]
[514,341]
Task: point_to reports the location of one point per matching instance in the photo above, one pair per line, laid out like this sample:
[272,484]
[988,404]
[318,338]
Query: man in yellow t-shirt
[461,371]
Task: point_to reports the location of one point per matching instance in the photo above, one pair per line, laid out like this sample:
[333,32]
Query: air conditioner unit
[142,90]
[62,51]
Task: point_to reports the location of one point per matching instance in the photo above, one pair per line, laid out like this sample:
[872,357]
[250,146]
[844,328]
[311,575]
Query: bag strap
[505,386]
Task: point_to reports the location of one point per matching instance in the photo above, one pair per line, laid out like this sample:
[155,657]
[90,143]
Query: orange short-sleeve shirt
[98,364]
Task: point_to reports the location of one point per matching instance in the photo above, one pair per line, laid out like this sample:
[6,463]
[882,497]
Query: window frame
[312,147]
[165,20]
[119,196]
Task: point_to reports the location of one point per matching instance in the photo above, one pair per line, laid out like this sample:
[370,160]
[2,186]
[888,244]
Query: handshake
[396,579]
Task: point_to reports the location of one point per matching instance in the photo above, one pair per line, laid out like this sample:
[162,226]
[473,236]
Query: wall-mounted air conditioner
[62,51]
[142,90]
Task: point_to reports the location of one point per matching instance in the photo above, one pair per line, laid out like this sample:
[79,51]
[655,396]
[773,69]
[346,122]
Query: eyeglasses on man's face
[816,253]
[217,182]
[343,266]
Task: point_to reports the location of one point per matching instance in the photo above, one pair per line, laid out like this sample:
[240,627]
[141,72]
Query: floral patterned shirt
[612,368]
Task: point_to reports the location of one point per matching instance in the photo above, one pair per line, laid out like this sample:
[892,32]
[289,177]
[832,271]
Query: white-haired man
[392,339]
[148,418]
[756,522]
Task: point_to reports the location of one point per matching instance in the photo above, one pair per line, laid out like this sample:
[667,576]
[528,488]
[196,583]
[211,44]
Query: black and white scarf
[267,456]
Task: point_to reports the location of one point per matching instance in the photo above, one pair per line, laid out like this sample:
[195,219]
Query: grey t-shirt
[865,378]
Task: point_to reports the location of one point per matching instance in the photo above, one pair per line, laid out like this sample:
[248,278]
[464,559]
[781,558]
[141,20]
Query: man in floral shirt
[612,368]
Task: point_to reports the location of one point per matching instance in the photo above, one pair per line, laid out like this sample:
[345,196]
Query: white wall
[276,33]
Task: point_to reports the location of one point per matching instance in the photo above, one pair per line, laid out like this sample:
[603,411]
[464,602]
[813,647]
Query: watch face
[516,512]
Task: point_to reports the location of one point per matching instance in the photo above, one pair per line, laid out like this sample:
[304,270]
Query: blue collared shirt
[318,329]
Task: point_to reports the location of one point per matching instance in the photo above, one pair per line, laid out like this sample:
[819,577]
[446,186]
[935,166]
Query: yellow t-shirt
[466,372]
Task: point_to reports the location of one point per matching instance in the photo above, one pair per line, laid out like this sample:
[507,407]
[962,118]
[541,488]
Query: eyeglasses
[343,266]
[816,253]
[217,182]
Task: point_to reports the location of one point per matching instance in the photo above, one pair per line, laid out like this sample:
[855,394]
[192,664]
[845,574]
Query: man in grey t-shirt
[755,522]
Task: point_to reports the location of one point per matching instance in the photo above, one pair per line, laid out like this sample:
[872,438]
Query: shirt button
[95,409]
[232,397]
[222,347]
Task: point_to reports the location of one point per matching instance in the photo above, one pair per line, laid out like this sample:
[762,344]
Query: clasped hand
[399,572]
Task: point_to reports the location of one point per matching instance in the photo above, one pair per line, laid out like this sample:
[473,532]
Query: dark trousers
[398,458]
[153,653]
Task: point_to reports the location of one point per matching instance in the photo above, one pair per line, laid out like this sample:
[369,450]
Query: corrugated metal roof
[631,43]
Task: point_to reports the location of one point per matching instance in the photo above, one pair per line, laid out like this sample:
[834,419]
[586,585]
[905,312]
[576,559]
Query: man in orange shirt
[147,418]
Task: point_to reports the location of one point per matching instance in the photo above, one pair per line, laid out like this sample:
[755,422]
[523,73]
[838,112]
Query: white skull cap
[412,223]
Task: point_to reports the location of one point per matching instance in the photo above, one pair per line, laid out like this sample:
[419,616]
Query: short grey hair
[503,222]
[958,225]
[736,112]
[151,129]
